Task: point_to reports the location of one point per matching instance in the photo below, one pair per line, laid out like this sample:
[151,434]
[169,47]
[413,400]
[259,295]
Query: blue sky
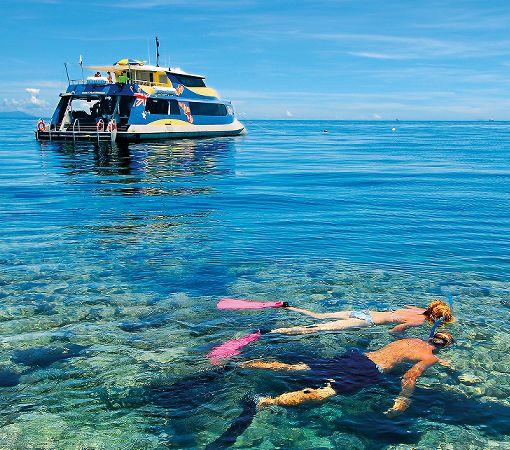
[300,59]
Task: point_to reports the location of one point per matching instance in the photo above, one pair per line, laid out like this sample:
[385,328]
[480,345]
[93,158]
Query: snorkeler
[344,374]
[352,371]
[411,316]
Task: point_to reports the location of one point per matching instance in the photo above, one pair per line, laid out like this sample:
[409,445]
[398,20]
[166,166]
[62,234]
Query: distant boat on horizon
[144,102]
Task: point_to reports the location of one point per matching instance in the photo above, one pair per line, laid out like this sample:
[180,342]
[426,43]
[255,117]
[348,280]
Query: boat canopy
[142,67]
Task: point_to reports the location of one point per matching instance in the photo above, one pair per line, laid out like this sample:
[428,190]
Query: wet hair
[438,309]
[442,339]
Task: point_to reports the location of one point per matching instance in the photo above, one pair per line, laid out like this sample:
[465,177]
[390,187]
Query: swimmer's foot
[292,330]
[263,402]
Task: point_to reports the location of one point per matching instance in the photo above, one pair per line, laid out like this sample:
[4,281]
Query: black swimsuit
[347,373]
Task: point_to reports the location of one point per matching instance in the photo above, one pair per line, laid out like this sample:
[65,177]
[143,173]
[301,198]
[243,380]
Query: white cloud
[376,116]
[34,99]
[33,103]
[289,114]
[32,91]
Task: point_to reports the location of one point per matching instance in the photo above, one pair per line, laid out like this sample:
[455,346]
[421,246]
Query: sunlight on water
[113,259]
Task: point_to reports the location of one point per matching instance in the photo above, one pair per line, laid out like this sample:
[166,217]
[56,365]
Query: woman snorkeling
[410,316]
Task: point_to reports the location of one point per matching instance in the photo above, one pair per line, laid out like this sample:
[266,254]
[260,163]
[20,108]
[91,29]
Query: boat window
[163,79]
[140,75]
[207,109]
[190,81]
[89,109]
[157,106]
[83,104]
[174,108]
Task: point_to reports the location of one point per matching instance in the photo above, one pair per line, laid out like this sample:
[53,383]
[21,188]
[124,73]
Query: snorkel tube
[434,327]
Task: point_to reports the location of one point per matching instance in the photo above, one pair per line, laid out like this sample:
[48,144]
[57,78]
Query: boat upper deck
[152,79]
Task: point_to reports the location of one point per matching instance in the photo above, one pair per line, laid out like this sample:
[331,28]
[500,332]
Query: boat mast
[67,73]
[157,52]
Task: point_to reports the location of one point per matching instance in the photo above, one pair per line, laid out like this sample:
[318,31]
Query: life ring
[41,126]
[100,125]
[112,125]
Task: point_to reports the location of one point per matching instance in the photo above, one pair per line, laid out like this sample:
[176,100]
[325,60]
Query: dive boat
[138,101]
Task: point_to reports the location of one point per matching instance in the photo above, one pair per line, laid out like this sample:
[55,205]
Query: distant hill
[15,115]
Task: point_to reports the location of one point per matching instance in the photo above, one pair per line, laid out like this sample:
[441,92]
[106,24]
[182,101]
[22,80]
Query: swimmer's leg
[342,324]
[333,315]
[295,398]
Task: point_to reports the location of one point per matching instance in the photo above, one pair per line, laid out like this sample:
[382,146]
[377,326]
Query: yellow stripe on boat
[175,122]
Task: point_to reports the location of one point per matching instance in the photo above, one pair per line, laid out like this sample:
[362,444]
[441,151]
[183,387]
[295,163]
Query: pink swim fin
[235,303]
[231,348]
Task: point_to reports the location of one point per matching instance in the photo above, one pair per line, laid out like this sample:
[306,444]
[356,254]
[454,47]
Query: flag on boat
[141,97]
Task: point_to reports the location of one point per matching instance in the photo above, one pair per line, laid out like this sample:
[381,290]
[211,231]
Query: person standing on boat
[122,78]
[110,79]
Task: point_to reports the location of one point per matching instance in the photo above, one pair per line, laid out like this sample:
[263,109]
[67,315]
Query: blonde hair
[438,309]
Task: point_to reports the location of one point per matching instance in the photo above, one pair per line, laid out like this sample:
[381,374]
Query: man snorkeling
[352,371]
[344,374]
[411,316]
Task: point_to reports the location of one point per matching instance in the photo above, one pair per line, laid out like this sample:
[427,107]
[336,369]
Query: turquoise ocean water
[112,260]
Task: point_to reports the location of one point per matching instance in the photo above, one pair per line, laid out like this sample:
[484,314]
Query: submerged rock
[155,321]
[470,378]
[45,356]
[8,378]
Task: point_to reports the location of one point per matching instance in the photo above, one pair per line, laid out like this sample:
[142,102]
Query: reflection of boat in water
[180,167]
[146,102]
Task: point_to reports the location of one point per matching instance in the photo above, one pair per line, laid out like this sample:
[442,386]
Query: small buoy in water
[393,129]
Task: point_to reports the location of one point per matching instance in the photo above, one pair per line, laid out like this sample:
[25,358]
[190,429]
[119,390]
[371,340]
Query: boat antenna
[67,74]
[157,52]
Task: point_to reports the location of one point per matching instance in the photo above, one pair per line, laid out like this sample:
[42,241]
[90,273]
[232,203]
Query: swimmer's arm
[403,400]
[400,328]
[273,365]
[409,321]
[404,326]
[333,315]
[295,398]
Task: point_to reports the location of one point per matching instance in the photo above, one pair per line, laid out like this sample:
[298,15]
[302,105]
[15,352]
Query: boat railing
[132,81]
[149,83]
